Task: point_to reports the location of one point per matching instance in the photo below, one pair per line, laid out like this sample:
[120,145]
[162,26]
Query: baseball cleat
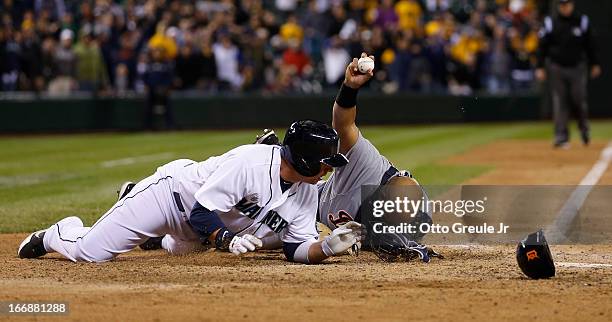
[152,243]
[32,246]
[268,137]
[586,139]
[562,145]
[125,189]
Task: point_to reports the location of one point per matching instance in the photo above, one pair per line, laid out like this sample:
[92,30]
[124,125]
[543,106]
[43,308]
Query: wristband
[223,239]
[347,97]
[326,249]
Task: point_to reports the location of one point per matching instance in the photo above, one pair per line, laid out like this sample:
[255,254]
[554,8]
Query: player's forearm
[316,254]
[207,224]
[343,117]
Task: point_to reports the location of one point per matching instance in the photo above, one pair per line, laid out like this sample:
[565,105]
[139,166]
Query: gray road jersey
[340,195]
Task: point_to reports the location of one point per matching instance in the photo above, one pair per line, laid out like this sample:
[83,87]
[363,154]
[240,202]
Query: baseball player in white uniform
[188,200]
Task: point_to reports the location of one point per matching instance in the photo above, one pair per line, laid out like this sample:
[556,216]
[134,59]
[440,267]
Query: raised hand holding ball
[365,65]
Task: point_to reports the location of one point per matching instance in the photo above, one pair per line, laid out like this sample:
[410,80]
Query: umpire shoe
[32,246]
[561,145]
[268,137]
[152,243]
[125,189]
[586,139]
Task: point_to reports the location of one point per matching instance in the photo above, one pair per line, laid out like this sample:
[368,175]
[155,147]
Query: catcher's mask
[534,258]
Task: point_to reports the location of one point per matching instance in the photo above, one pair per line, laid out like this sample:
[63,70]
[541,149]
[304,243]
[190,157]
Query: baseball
[365,65]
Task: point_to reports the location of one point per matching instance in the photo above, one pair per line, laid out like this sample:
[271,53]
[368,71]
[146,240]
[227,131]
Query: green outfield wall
[87,114]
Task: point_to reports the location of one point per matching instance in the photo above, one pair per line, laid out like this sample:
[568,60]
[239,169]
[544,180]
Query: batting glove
[341,239]
[245,243]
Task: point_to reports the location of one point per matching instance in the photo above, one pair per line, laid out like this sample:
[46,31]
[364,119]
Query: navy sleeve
[204,222]
[289,250]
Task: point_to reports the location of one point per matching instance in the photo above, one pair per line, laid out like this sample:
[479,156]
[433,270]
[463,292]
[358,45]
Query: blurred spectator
[122,80]
[188,68]
[55,8]
[386,17]
[335,59]
[226,57]
[10,51]
[523,48]
[158,78]
[64,63]
[31,61]
[498,80]
[295,57]
[456,46]
[409,14]
[291,30]
[209,68]
[91,69]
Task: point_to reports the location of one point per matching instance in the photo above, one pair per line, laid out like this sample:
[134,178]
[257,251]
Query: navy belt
[177,199]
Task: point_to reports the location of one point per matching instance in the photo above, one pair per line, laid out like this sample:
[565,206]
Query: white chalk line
[133,160]
[583,265]
[29,180]
[557,230]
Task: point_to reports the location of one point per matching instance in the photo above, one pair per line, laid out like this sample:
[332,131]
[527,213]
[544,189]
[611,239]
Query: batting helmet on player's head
[309,143]
[534,258]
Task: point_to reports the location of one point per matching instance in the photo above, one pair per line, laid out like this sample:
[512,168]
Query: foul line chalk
[128,161]
[583,265]
[556,232]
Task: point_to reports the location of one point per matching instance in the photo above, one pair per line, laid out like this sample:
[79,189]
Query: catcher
[340,197]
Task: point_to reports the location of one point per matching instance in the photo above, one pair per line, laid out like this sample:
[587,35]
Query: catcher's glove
[396,247]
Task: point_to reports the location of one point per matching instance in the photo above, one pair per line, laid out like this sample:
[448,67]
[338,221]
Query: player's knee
[85,252]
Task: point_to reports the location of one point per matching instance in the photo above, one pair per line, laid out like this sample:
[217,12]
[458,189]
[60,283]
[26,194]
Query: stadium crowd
[274,46]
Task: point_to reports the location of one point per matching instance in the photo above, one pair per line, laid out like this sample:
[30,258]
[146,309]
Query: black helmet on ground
[534,258]
[309,143]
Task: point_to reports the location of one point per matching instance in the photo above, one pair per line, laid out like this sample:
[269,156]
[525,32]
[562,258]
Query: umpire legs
[559,89]
[579,99]
[569,90]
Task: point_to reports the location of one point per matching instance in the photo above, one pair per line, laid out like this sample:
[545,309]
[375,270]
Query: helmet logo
[532,255]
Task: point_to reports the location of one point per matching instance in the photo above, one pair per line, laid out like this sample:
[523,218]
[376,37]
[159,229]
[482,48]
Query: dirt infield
[471,283]
[478,282]
[520,162]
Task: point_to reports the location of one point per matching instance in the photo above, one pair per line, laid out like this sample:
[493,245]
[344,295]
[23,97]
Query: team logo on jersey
[248,205]
[343,218]
[274,221]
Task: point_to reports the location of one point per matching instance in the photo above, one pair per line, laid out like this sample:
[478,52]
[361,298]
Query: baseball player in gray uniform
[340,197]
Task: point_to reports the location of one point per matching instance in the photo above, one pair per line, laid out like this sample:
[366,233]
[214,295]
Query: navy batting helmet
[309,143]
[534,258]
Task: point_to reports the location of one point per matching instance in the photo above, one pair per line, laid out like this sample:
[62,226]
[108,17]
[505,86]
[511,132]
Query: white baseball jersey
[246,178]
[243,186]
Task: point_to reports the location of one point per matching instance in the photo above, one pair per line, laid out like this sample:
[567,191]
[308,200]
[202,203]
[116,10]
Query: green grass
[45,178]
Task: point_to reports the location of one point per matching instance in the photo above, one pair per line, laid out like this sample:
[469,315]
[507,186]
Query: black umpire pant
[569,92]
